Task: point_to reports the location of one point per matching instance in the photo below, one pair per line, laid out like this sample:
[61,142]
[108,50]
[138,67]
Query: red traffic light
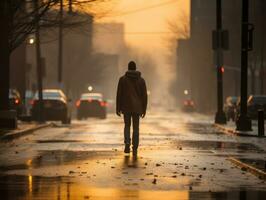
[222,69]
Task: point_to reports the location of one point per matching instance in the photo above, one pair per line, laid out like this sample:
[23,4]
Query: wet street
[181,156]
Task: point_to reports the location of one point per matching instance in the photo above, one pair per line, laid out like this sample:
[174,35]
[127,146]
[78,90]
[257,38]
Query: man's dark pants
[127,121]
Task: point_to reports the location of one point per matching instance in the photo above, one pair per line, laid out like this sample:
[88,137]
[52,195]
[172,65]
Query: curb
[245,167]
[230,131]
[19,133]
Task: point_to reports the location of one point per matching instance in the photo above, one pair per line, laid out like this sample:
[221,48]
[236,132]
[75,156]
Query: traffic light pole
[243,122]
[220,117]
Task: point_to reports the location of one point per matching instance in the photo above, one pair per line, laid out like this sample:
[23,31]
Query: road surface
[181,156]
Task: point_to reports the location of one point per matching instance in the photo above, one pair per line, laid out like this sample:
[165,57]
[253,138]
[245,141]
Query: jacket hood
[133,74]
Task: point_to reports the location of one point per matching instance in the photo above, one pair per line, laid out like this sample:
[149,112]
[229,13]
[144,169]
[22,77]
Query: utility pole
[60,45]
[39,64]
[243,122]
[220,117]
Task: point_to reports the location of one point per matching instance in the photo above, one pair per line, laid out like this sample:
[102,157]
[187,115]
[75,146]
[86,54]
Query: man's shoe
[127,148]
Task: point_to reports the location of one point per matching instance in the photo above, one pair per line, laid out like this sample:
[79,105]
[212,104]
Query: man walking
[131,101]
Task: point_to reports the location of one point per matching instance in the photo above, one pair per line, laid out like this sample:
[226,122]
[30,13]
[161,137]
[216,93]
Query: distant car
[230,107]
[55,106]
[15,101]
[188,105]
[91,105]
[256,102]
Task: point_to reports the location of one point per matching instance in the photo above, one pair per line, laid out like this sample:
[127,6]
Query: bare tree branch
[180,28]
[25,17]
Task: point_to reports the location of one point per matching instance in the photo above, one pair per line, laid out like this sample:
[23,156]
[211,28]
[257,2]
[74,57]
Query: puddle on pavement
[219,145]
[64,188]
[57,158]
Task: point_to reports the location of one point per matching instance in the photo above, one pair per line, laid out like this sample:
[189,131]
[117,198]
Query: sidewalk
[252,163]
[230,128]
[23,129]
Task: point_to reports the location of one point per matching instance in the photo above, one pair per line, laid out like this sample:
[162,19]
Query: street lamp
[185,92]
[90,88]
[31,41]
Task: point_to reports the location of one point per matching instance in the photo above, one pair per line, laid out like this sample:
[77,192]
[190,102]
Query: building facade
[196,69]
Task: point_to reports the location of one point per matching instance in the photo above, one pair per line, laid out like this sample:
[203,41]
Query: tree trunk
[60,45]
[5,21]
[70,9]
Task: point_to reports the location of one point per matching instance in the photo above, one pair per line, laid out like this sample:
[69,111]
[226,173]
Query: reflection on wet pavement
[64,188]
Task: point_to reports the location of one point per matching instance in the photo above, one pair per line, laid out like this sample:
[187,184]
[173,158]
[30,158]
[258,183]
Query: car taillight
[103,104]
[89,100]
[185,103]
[32,102]
[191,103]
[17,101]
[78,103]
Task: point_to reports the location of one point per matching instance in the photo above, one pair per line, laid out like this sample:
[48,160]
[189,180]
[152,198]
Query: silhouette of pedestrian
[131,101]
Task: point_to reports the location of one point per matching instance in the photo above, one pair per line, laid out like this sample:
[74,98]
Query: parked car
[256,102]
[91,105]
[188,105]
[55,106]
[15,101]
[230,107]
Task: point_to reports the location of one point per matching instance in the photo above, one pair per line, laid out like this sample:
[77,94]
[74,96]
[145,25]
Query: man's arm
[144,98]
[118,97]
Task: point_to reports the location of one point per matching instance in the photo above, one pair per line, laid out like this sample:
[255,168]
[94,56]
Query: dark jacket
[131,93]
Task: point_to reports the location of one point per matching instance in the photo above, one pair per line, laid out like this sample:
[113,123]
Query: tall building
[196,69]
[109,38]
[109,48]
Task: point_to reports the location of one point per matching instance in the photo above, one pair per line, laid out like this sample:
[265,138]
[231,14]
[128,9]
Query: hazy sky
[146,28]
[146,20]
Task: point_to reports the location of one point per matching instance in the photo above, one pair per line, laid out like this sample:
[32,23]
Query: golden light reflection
[82,192]
[30,184]
[29,162]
